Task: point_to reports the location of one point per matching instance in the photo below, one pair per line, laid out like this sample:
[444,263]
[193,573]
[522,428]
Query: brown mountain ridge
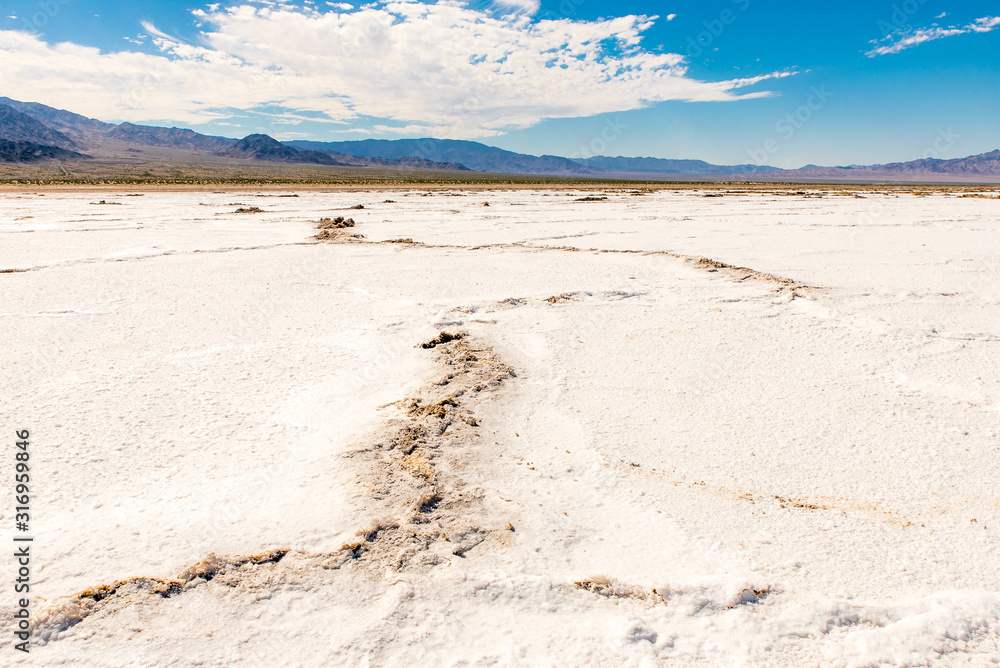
[35,133]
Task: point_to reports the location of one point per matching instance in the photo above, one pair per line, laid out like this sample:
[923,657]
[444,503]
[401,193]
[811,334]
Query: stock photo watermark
[714,28]
[612,131]
[943,140]
[22,540]
[47,10]
[900,16]
[787,126]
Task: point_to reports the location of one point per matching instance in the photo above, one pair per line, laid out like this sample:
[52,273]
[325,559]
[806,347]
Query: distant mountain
[405,163]
[662,166]
[983,167]
[986,164]
[16,126]
[66,122]
[148,135]
[473,155]
[483,158]
[26,151]
[31,132]
[263,147]
[85,130]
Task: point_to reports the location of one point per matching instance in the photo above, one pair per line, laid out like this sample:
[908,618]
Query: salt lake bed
[506,427]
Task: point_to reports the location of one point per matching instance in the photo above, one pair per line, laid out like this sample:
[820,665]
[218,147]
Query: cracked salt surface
[693,463]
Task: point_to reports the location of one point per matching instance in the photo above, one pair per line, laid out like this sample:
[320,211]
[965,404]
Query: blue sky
[728,81]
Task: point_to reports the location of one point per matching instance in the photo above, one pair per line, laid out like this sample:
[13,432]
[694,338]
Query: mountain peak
[18,126]
[257,142]
[181,138]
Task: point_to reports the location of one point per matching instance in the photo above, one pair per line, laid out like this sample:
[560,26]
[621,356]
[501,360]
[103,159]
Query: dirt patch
[422,510]
[590,198]
[610,588]
[249,209]
[443,337]
[337,235]
[72,610]
[337,223]
[335,229]
[735,272]
[412,473]
[744,273]
[826,504]
[798,503]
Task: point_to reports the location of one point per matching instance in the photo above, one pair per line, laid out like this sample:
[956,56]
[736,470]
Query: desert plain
[687,426]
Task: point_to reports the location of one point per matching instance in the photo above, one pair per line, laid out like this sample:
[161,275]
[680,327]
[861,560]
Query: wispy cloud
[902,40]
[526,6]
[447,69]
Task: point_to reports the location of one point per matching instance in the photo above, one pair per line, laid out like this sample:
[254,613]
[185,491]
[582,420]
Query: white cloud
[904,40]
[290,136]
[671,17]
[527,6]
[414,130]
[985,24]
[445,69]
[153,31]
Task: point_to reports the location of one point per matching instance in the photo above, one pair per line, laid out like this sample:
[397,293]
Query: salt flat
[631,458]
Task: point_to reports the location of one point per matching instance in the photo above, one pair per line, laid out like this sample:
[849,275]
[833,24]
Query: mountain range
[475,156]
[50,128]
[263,147]
[27,151]
[16,126]
[34,133]
[665,166]
[985,163]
